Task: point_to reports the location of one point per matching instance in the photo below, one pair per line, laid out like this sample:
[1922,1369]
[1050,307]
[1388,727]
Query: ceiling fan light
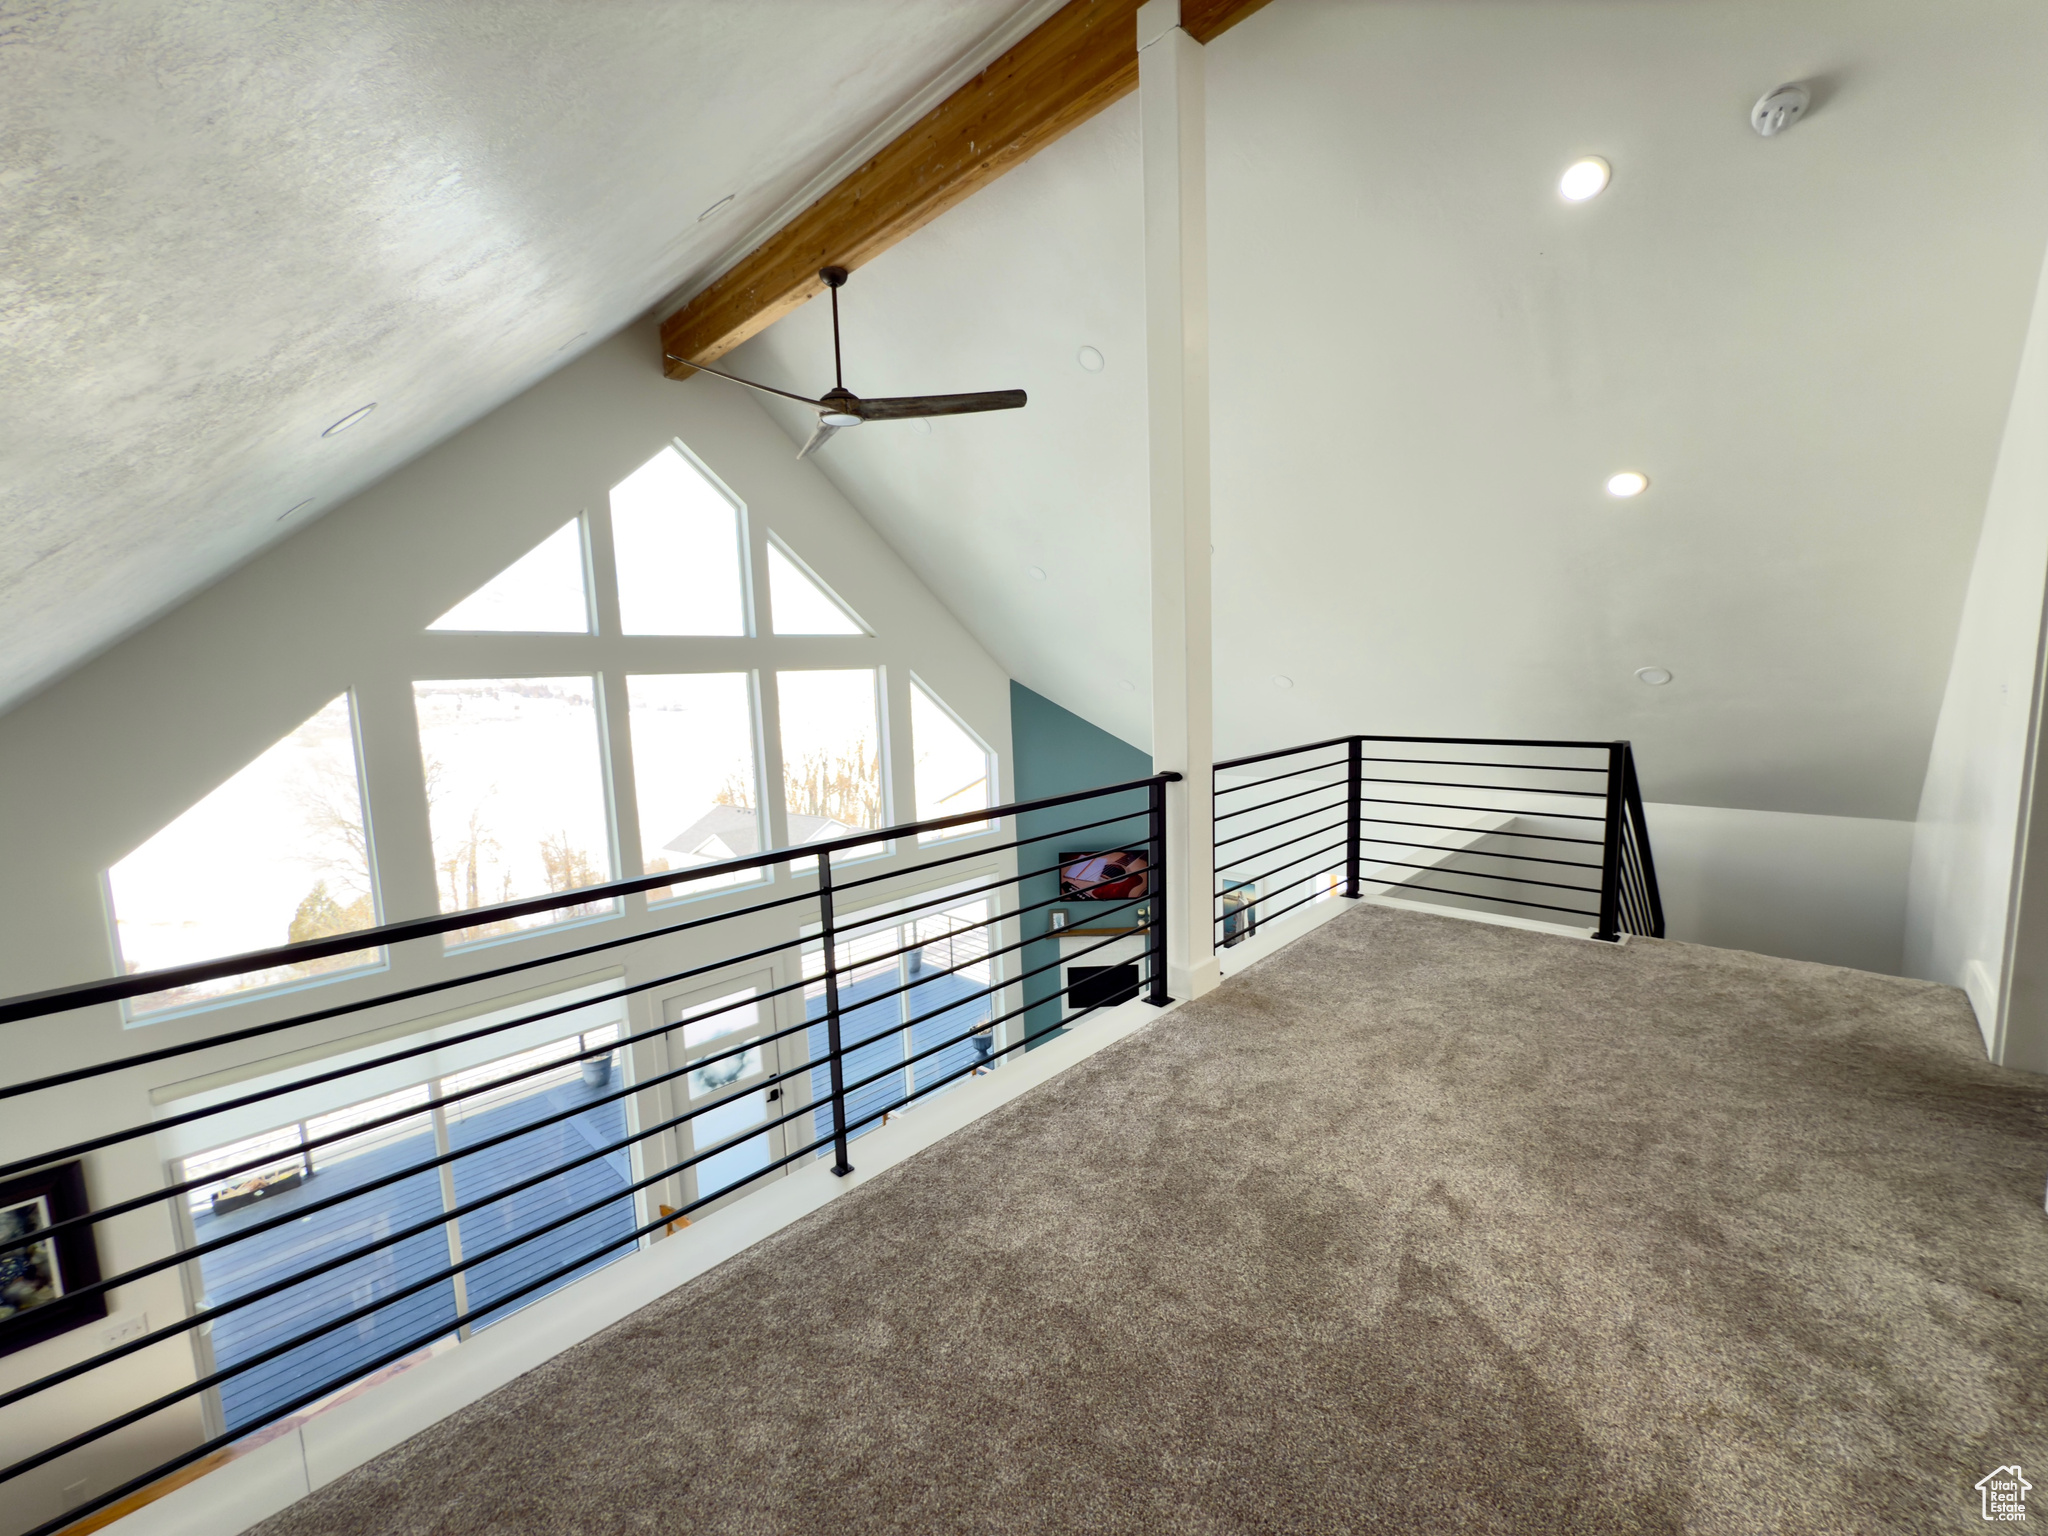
[838,419]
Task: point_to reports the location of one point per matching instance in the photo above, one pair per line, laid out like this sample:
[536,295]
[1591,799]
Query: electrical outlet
[123,1329]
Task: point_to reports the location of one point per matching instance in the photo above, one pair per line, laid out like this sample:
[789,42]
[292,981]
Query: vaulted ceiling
[226,225]
[1426,365]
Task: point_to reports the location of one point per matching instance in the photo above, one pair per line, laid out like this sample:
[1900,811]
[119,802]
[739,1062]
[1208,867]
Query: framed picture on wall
[41,1271]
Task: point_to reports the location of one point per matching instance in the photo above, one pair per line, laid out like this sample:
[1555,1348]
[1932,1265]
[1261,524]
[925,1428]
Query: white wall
[1959,926]
[1826,888]
[97,763]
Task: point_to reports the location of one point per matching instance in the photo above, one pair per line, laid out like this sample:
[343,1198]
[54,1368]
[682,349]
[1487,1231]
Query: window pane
[715,1029]
[309,1245]
[542,592]
[871,1034]
[831,757]
[276,854]
[800,605]
[949,997]
[736,1014]
[580,1098]
[676,539]
[515,792]
[693,771]
[952,765]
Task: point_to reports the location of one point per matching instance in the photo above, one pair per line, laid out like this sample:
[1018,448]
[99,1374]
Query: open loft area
[1042,765]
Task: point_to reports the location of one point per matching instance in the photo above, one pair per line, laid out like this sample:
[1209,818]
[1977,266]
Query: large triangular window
[676,542]
[277,854]
[802,604]
[955,769]
[542,592]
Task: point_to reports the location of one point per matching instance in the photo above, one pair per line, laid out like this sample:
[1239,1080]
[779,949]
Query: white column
[1170,100]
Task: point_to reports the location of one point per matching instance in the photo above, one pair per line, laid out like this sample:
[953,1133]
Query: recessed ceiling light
[714,207]
[1584,178]
[1035,572]
[296,507]
[1628,483]
[1656,677]
[1283,683]
[350,420]
[1089,359]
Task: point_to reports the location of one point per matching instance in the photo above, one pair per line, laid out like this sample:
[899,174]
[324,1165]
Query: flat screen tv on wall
[1121,874]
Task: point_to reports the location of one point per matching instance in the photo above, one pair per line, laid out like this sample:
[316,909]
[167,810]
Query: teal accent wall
[1055,752]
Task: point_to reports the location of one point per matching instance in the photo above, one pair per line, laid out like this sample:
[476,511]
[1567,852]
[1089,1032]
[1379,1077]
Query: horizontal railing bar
[1497,789]
[1466,762]
[1445,826]
[424,989]
[982,853]
[1274,826]
[1307,746]
[1328,869]
[1257,907]
[1313,853]
[925,1018]
[1259,853]
[84,994]
[1266,805]
[1512,901]
[1433,741]
[1443,805]
[1481,853]
[1334,765]
[1473,874]
[925,980]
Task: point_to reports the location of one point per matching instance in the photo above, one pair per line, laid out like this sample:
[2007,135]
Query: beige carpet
[1420,1225]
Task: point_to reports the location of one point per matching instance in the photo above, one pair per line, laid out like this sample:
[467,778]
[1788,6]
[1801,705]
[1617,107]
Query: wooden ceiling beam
[1076,62]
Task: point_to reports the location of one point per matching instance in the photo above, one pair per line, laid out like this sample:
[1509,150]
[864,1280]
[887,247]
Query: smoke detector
[1778,110]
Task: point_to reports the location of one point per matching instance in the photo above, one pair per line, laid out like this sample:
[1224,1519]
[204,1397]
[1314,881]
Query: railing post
[1155,890]
[825,927]
[1356,817]
[1610,845]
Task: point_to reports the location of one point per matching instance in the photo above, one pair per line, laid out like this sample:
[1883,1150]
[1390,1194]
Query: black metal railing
[939,1028]
[1547,829]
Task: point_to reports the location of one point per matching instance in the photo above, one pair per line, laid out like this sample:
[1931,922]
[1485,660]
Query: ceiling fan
[839,408]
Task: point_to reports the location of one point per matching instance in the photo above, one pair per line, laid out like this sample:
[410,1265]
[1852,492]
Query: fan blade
[903,407]
[766,389]
[820,436]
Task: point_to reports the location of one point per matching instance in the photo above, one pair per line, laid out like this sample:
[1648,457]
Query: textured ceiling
[1426,365]
[224,226]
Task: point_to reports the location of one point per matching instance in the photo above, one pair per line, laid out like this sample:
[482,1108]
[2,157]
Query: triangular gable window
[277,854]
[954,766]
[542,592]
[802,604]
